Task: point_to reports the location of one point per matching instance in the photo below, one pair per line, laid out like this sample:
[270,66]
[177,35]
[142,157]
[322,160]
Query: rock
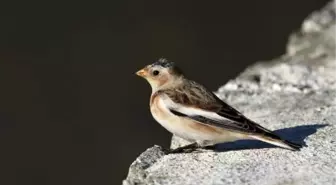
[293,95]
[137,172]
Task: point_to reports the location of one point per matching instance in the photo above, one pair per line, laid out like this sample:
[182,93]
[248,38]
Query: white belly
[187,128]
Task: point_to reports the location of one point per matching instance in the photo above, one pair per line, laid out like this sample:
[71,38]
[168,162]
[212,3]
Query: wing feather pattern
[195,102]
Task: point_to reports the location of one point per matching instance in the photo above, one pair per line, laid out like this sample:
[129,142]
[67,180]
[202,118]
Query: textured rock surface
[294,95]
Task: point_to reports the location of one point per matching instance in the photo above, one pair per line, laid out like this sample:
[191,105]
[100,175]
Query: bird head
[161,74]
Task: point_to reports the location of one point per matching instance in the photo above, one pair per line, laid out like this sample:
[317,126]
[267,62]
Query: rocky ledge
[293,95]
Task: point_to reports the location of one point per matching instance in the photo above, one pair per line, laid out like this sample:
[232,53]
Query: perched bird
[190,111]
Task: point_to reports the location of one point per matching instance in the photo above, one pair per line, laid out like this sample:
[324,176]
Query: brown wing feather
[195,95]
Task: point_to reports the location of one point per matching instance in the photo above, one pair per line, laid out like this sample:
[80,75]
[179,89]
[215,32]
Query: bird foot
[189,148]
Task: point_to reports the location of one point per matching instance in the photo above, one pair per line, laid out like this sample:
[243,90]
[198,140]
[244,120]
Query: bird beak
[141,72]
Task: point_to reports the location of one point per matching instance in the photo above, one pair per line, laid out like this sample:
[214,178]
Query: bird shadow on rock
[294,134]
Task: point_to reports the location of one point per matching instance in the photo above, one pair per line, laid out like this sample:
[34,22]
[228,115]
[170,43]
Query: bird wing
[197,103]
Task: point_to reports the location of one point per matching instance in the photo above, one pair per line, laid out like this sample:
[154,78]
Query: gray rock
[293,95]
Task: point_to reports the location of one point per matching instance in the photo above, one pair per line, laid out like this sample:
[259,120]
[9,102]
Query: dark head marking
[168,64]
[164,63]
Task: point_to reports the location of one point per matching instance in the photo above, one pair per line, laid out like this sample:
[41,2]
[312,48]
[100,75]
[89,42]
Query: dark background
[71,109]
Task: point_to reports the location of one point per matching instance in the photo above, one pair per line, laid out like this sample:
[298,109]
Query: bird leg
[184,149]
[190,148]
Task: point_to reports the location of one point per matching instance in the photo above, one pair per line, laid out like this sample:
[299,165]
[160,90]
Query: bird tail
[279,142]
[269,137]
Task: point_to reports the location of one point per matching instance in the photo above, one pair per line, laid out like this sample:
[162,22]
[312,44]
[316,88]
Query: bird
[190,111]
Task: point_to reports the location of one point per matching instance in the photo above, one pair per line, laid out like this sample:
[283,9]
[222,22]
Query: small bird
[190,111]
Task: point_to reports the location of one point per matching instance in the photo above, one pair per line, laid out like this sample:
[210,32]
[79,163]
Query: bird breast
[183,126]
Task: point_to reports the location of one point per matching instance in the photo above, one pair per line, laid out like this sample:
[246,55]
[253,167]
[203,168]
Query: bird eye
[155,72]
